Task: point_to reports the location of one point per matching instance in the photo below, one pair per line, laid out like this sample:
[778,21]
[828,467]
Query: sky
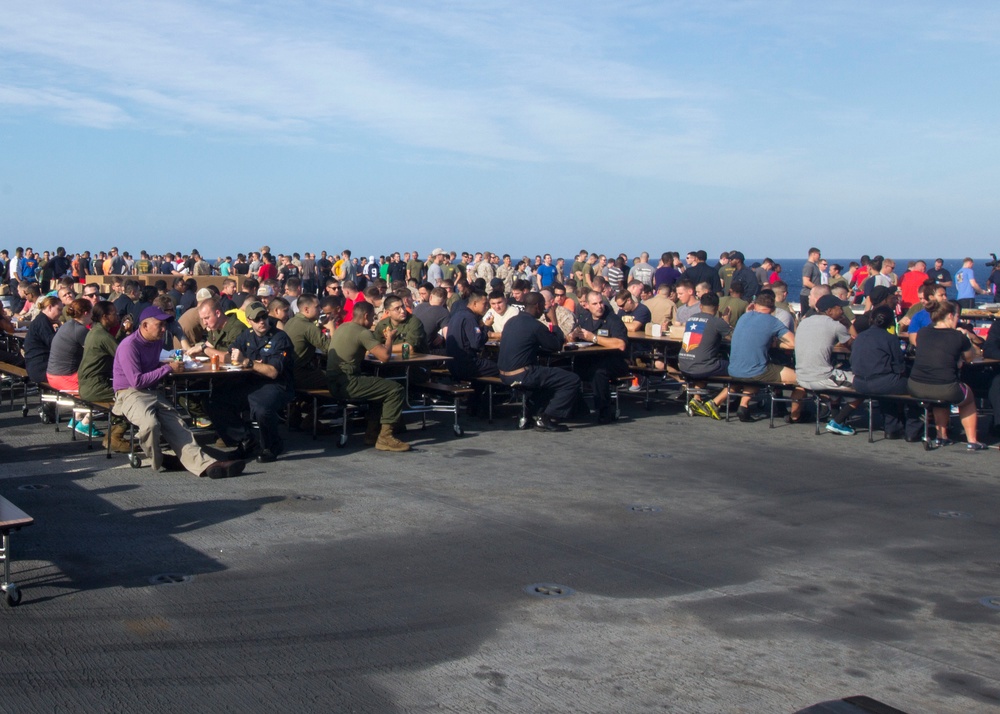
[521,127]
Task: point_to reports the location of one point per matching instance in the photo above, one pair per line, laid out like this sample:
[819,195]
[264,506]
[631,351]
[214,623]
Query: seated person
[65,356]
[701,356]
[749,356]
[941,349]
[661,307]
[600,325]
[687,303]
[498,314]
[97,366]
[434,316]
[331,313]
[408,328]
[466,339]
[732,307]
[279,311]
[879,296]
[137,372]
[6,355]
[815,340]
[553,390]
[268,352]
[634,315]
[566,319]
[879,368]
[348,347]
[930,297]
[309,344]
[221,330]
[173,335]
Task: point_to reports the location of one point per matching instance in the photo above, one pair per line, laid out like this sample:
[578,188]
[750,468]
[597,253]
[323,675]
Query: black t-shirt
[704,273]
[940,276]
[700,351]
[938,354]
[241,268]
[397,271]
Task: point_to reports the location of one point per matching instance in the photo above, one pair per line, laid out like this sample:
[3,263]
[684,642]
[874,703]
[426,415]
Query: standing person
[642,271]
[435,274]
[966,285]
[616,273]
[547,273]
[941,349]
[941,276]
[699,271]
[811,277]
[137,372]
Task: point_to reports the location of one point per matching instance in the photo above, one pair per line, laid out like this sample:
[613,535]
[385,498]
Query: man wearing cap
[743,274]
[267,351]
[135,374]
[348,347]
[435,274]
[816,338]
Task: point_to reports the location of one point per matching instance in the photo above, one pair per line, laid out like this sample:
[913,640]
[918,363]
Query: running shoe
[203,423]
[87,430]
[743,414]
[976,446]
[712,409]
[72,423]
[842,429]
[697,407]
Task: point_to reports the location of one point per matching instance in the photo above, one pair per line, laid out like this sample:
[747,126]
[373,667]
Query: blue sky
[512,126]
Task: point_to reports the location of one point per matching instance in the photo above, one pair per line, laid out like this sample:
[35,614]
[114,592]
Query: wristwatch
[595,339]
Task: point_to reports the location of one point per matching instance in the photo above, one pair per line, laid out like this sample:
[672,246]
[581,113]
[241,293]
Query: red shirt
[267,271]
[909,287]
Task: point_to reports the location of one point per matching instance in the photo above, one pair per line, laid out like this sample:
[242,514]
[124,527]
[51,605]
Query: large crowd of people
[308,322]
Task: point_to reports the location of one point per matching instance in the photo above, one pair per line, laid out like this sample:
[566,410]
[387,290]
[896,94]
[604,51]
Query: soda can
[179,355]
[406,350]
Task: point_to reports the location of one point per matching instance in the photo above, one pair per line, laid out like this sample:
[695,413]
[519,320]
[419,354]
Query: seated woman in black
[941,348]
[37,344]
[879,368]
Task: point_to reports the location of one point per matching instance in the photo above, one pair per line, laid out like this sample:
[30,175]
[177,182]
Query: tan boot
[388,442]
[372,432]
[119,443]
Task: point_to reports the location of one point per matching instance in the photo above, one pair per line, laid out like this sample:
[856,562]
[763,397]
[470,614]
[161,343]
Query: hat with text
[255,310]
[265,291]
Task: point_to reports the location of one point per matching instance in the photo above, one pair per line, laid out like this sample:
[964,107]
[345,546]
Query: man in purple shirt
[136,372]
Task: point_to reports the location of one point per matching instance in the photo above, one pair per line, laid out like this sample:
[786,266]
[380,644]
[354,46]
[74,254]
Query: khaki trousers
[154,417]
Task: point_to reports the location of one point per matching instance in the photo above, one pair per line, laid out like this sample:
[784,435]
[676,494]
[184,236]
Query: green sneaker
[697,407]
